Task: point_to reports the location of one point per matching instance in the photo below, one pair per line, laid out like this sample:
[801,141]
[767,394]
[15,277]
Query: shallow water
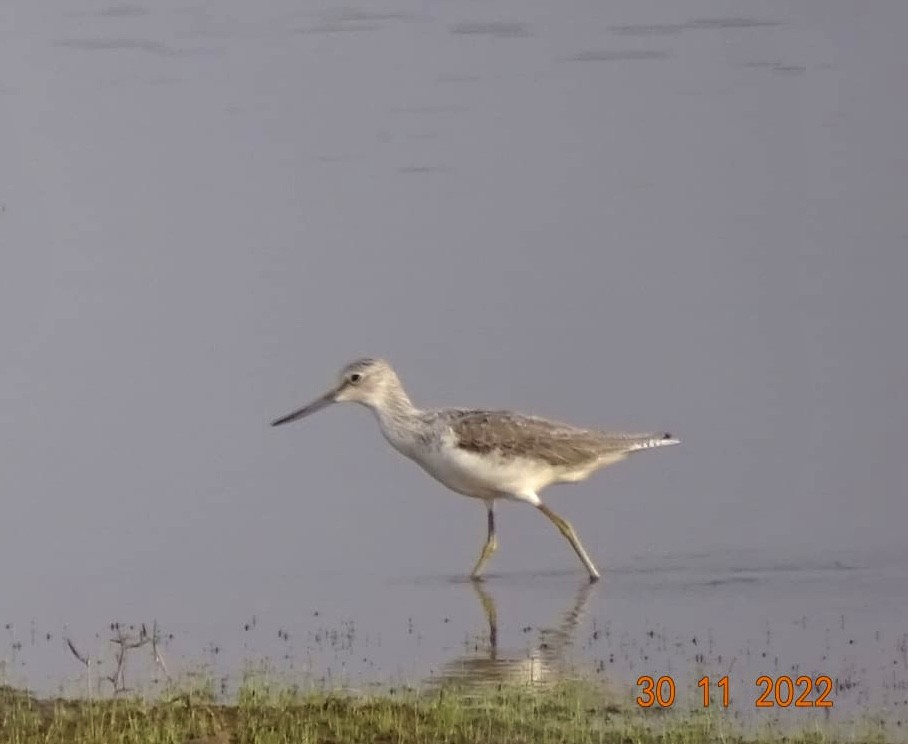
[685,617]
[688,215]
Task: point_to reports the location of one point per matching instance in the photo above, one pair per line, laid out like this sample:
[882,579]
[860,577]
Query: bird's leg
[565,528]
[489,547]
[488,606]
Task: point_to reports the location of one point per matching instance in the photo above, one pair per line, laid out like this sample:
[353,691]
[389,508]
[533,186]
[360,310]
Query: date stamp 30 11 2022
[771,692]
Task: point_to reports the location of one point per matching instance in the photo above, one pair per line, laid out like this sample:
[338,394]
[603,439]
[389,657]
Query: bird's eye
[356,378]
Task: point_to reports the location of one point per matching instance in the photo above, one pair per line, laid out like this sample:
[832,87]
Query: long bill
[318,404]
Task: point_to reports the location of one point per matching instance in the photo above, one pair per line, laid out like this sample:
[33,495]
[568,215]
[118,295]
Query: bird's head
[370,382]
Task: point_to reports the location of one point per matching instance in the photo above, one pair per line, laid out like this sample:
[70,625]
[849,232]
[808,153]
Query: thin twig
[124,643]
[75,651]
[158,657]
[84,659]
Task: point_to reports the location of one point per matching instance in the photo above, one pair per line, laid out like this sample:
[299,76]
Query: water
[684,617]
[687,215]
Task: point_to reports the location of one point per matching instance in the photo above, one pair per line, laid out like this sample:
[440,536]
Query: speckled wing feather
[527,436]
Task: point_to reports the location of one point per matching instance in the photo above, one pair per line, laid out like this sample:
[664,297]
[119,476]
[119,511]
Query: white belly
[485,476]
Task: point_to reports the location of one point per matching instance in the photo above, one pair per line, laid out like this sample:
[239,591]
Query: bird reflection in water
[544,663]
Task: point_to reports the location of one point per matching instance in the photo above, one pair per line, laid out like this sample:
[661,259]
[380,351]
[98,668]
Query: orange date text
[772,692]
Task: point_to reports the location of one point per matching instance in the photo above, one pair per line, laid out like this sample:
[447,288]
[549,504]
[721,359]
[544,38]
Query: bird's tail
[648,441]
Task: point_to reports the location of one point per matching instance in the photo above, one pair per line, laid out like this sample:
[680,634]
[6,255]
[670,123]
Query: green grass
[263,714]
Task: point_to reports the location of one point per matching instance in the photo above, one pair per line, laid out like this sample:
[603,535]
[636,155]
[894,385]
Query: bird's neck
[397,416]
[395,406]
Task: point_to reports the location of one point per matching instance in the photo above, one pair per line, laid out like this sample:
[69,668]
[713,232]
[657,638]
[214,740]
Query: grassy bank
[571,713]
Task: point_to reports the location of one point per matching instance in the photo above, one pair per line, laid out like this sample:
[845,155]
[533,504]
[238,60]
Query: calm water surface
[686,215]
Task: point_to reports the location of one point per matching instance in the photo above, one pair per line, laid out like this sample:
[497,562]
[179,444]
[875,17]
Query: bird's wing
[528,436]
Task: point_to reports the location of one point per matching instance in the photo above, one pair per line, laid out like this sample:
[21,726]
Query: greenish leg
[565,528]
[488,548]
[488,606]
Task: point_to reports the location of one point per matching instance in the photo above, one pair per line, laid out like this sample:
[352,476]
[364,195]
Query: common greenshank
[486,455]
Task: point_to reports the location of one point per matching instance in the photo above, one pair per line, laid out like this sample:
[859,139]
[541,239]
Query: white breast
[483,476]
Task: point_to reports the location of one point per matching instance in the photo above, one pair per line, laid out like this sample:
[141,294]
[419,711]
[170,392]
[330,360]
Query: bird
[490,455]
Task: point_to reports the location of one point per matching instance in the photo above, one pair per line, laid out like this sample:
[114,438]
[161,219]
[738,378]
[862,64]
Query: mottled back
[512,434]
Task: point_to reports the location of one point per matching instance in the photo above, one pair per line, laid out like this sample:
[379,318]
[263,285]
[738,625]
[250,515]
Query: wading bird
[487,455]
